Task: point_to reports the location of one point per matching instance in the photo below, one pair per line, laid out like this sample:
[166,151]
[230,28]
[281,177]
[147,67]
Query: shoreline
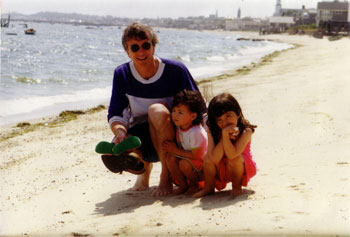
[53,183]
[11,129]
[36,107]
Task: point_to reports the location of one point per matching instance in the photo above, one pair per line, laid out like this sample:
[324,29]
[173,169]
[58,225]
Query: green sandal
[104,147]
[110,148]
[129,143]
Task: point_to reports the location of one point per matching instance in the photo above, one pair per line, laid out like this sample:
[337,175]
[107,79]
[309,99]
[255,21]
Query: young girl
[185,159]
[228,158]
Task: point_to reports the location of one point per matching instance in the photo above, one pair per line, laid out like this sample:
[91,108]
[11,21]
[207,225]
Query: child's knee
[236,166]
[238,161]
[208,162]
[185,166]
[170,159]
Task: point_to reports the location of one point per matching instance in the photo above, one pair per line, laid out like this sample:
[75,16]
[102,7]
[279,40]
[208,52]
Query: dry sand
[52,182]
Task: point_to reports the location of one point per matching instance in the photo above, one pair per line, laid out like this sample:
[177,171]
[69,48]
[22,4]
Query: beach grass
[64,117]
[248,68]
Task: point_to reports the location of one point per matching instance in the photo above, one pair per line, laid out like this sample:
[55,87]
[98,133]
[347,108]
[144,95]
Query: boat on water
[30,32]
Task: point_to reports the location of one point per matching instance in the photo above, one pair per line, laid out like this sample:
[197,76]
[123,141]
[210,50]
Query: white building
[281,23]
[237,24]
[278,8]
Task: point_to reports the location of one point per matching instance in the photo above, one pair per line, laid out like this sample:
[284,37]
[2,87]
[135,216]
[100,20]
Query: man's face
[140,51]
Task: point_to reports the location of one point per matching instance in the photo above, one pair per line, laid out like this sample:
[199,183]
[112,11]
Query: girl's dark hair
[221,104]
[194,101]
[140,32]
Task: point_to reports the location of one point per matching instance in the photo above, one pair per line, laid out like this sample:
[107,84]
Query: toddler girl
[185,159]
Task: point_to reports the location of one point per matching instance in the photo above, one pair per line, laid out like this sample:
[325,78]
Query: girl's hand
[231,130]
[169,146]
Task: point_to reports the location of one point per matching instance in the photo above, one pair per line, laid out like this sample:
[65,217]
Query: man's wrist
[120,133]
[120,129]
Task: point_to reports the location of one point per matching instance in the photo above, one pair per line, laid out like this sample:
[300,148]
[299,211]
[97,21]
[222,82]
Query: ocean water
[64,67]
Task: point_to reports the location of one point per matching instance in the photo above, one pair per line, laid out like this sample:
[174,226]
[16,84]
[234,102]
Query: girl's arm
[171,147]
[233,150]
[215,153]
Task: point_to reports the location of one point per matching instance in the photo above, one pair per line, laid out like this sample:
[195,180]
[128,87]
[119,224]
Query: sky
[154,8]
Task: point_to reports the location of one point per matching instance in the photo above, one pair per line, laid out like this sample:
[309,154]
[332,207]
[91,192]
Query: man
[141,102]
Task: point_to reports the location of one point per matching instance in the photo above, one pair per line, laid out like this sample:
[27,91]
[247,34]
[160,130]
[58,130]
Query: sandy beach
[53,183]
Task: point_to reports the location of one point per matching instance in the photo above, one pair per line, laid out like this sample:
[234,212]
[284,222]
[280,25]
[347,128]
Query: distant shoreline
[193,22]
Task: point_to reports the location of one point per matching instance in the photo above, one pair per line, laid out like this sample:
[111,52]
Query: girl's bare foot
[180,189]
[192,190]
[236,191]
[164,188]
[204,192]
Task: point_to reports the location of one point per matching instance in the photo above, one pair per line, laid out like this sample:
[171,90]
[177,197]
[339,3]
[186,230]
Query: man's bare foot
[164,188]
[192,190]
[236,191]
[141,183]
[179,189]
[204,192]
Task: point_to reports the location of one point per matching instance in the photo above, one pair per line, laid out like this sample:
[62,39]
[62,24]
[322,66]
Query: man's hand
[120,136]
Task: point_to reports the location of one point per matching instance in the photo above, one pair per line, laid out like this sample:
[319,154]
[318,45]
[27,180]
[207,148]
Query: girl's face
[182,116]
[228,118]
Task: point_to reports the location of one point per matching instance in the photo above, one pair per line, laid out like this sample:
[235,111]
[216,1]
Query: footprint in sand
[343,163]
[297,187]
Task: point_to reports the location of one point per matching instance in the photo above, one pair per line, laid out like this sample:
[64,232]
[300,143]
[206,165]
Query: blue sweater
[132,95]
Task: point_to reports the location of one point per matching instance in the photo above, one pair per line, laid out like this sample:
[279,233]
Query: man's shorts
[147,149]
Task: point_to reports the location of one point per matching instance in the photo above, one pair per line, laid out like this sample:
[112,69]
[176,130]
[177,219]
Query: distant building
[279,24]
[239,13]
[241,25]
[278,8]
[213,16]
[333,16]
[306,16]
[302,16]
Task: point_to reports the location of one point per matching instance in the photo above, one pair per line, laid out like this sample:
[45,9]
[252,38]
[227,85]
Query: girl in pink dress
[228,157]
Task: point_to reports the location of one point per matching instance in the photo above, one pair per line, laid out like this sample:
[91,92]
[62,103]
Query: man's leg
[142,131]
[161,130]
[142,181]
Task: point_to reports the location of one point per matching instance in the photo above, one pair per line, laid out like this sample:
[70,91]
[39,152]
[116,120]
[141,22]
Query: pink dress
[249,170]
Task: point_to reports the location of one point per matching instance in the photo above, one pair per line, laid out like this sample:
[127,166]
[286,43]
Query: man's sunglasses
[136,47]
